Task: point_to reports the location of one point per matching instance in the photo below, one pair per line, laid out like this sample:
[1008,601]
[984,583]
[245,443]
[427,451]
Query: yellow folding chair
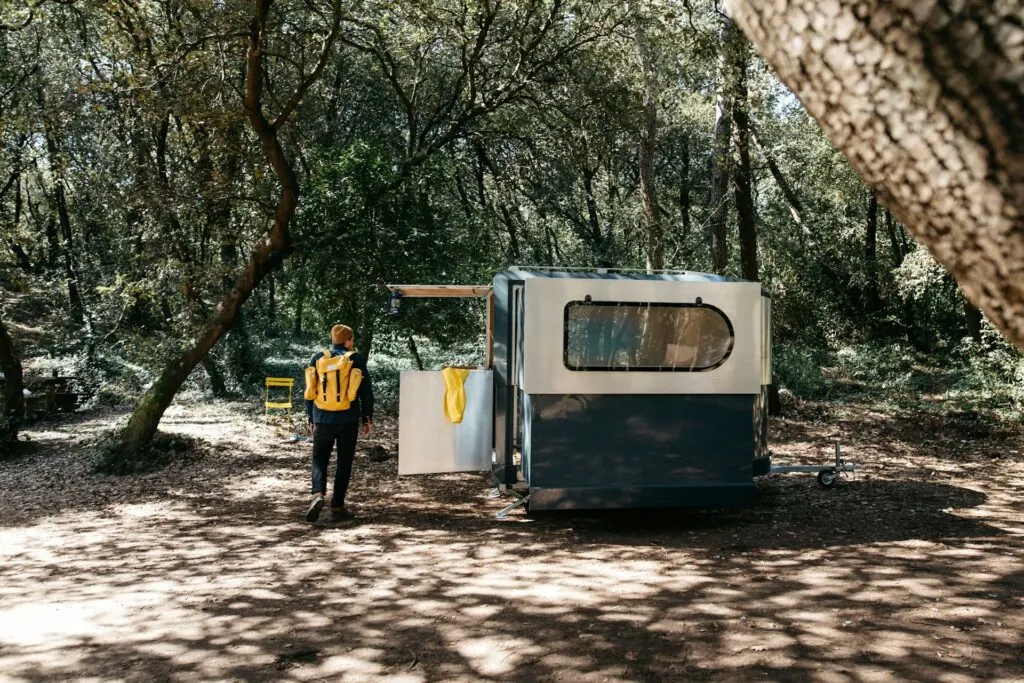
[277,403]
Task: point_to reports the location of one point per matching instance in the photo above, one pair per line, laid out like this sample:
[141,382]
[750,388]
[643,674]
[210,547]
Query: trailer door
[427,442]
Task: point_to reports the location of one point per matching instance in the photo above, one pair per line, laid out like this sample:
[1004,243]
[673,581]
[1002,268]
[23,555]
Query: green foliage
[443,140]
[992,372]
[799,371]
[392,357]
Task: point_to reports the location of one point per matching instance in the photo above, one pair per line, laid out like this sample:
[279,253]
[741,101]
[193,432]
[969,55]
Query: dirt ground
[911,570]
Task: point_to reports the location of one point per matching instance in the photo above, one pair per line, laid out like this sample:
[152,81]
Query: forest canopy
[193,191]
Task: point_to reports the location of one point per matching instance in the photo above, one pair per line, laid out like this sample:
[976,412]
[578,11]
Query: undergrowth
[161,451]
[983,380]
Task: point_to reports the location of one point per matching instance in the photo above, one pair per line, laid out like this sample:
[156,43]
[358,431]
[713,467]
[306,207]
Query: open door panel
[428,443]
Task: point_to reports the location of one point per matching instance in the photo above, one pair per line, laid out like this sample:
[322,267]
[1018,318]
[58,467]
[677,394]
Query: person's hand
[367,428]
[309,427]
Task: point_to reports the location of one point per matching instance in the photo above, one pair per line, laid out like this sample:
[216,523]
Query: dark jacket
[362,408]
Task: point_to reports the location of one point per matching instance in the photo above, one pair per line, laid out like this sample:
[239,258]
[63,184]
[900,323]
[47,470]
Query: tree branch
[325,52]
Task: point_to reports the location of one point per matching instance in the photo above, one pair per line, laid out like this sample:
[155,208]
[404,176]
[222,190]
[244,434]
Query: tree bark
[926,100]
[268,253]
[720,170]
[749,268]
[14,396]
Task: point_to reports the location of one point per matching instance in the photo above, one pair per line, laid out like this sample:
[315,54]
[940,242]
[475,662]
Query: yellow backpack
[334,382]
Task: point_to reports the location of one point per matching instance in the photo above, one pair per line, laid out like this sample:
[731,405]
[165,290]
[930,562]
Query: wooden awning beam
[453,292]
[450,291]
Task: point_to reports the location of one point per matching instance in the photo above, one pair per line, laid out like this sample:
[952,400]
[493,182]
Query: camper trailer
[604,389]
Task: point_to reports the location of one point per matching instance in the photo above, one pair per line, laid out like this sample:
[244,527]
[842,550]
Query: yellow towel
[454,393]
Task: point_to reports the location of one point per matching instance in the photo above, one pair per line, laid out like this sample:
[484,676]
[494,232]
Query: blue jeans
[325,438]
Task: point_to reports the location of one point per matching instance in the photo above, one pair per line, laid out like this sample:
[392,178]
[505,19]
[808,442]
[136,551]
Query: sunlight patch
[493,657]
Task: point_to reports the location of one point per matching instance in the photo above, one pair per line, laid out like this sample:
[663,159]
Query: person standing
[339,396]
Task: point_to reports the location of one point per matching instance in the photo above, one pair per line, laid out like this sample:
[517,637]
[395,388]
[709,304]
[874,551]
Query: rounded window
[652,336]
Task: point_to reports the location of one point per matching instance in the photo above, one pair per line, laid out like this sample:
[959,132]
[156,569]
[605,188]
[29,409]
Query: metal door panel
[427,442]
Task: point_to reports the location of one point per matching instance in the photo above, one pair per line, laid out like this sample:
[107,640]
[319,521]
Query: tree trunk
[972,319]
[601,247]
[684,190]
[414,350]
[20,255]
[894,242]
[297,329]
[268,253]
[719,199]
[654,232]
[14,396]
[514,250]
[796,208]
[24,262]
[745,219]
[13,388]
[368,334]
[61,204]
[872,300]
[218,387]
[74,297]
[926,100]
[49,227]
[910,325]
[272,305]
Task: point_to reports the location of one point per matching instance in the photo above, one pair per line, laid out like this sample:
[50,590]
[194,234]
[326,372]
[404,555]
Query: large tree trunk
[14,396]
[926,99]
[268,253]
[744,193]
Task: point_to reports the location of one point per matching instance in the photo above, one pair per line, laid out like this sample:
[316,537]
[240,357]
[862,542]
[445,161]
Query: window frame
[646,304]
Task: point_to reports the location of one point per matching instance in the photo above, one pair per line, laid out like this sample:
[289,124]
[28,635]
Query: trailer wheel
[827,478]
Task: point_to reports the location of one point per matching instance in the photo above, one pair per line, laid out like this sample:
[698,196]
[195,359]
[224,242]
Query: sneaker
[314,509]
[341,515]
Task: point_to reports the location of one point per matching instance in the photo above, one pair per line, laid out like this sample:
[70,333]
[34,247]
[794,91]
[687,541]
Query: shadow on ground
[201,576]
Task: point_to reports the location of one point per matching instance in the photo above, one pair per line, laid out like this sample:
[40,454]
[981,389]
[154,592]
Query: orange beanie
[341,334]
